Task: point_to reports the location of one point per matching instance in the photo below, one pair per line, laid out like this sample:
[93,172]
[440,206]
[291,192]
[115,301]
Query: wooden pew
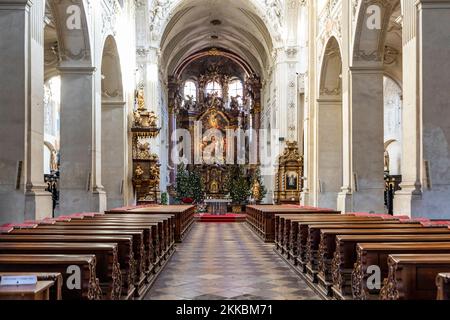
[166,221]
[141,270]
[342,289]
[108,268]
[376,254]
[54,292]
[261,218]
[125,252]
[412,276]
[443,286]
[169,222]
[289,234]
[344,256]
[184,216]
[313,248]
[153,229]
[90,288]
[151,242]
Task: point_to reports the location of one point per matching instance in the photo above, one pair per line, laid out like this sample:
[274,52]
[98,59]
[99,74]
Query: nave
[220,261]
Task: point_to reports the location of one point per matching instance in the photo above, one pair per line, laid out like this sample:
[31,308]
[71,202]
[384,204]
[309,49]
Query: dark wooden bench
[376,254]
[90,288]
[140,240]
[150,244]
[169,222]
[313,240]
[125,252]
[288,245]
[345,255]
[261,218]
[443,286]
[107,269]
[55,277]
[342,289]
[184,216]
[413,276]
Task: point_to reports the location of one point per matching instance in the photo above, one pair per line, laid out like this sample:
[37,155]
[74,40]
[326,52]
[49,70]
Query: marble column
[22,189]
[329,155]
[363,185]
[433,128]
[114,152]
[80,185]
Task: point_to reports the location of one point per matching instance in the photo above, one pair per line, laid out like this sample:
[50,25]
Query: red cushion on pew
[5,230]
[20,225]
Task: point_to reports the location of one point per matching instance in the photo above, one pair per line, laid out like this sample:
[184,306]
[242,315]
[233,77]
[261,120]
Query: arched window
[236,89]
[190,89]
[214,87]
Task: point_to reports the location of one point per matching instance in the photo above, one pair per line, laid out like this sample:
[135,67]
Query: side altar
[146,166]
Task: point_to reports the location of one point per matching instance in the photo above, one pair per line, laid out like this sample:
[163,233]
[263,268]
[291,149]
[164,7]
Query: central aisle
[227,261]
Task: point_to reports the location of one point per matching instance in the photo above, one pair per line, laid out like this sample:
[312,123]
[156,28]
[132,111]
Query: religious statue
[213,121]
[138,172]
[154,174]
[140,100]
[153,119]
[234,104]
[387,161]
[256,190]
[54,161]
[137,118]
[189,103]
[144,150]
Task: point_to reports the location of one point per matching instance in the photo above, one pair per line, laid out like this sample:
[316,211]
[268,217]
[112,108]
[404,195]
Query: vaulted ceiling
[202,24]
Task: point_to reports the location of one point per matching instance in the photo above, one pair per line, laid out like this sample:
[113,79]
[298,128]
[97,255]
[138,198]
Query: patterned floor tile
[220,261]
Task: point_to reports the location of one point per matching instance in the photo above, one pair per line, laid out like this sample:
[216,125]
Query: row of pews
[339,254]
[115,256]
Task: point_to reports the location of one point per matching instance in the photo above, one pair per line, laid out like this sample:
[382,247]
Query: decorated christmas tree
[189,185]
[239,186]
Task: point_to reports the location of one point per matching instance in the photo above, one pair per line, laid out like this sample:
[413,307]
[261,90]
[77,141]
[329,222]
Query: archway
[377,51]
[114,127]
[329,126]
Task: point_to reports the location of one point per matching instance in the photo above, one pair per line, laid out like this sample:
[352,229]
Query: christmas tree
[189,185]
[239,186]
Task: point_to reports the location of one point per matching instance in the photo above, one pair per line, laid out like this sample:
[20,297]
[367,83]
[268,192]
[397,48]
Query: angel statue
[138,172]
[189,103]
[153,119]
[234,104]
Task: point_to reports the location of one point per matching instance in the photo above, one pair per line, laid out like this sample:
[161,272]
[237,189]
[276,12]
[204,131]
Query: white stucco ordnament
[185,27]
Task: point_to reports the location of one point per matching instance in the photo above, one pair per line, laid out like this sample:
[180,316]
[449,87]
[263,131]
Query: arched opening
[114,127]
[329,120]
[377,53]
[392,127]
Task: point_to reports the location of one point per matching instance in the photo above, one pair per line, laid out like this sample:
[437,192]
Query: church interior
[224,150]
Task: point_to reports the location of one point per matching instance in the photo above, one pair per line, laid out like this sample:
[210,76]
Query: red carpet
[230,217]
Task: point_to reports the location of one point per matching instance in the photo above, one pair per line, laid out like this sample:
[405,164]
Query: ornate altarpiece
[146,166]
[289,183]
[216,112]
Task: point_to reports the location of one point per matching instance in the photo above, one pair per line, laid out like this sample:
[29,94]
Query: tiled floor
[227,261]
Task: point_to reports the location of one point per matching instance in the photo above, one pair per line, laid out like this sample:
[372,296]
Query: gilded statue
[138,172]
[153,119]
[137,118]
[141,100]
[256,190]
[213,121]
[144,150]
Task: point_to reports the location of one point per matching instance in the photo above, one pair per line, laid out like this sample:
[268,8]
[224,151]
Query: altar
[217,206]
